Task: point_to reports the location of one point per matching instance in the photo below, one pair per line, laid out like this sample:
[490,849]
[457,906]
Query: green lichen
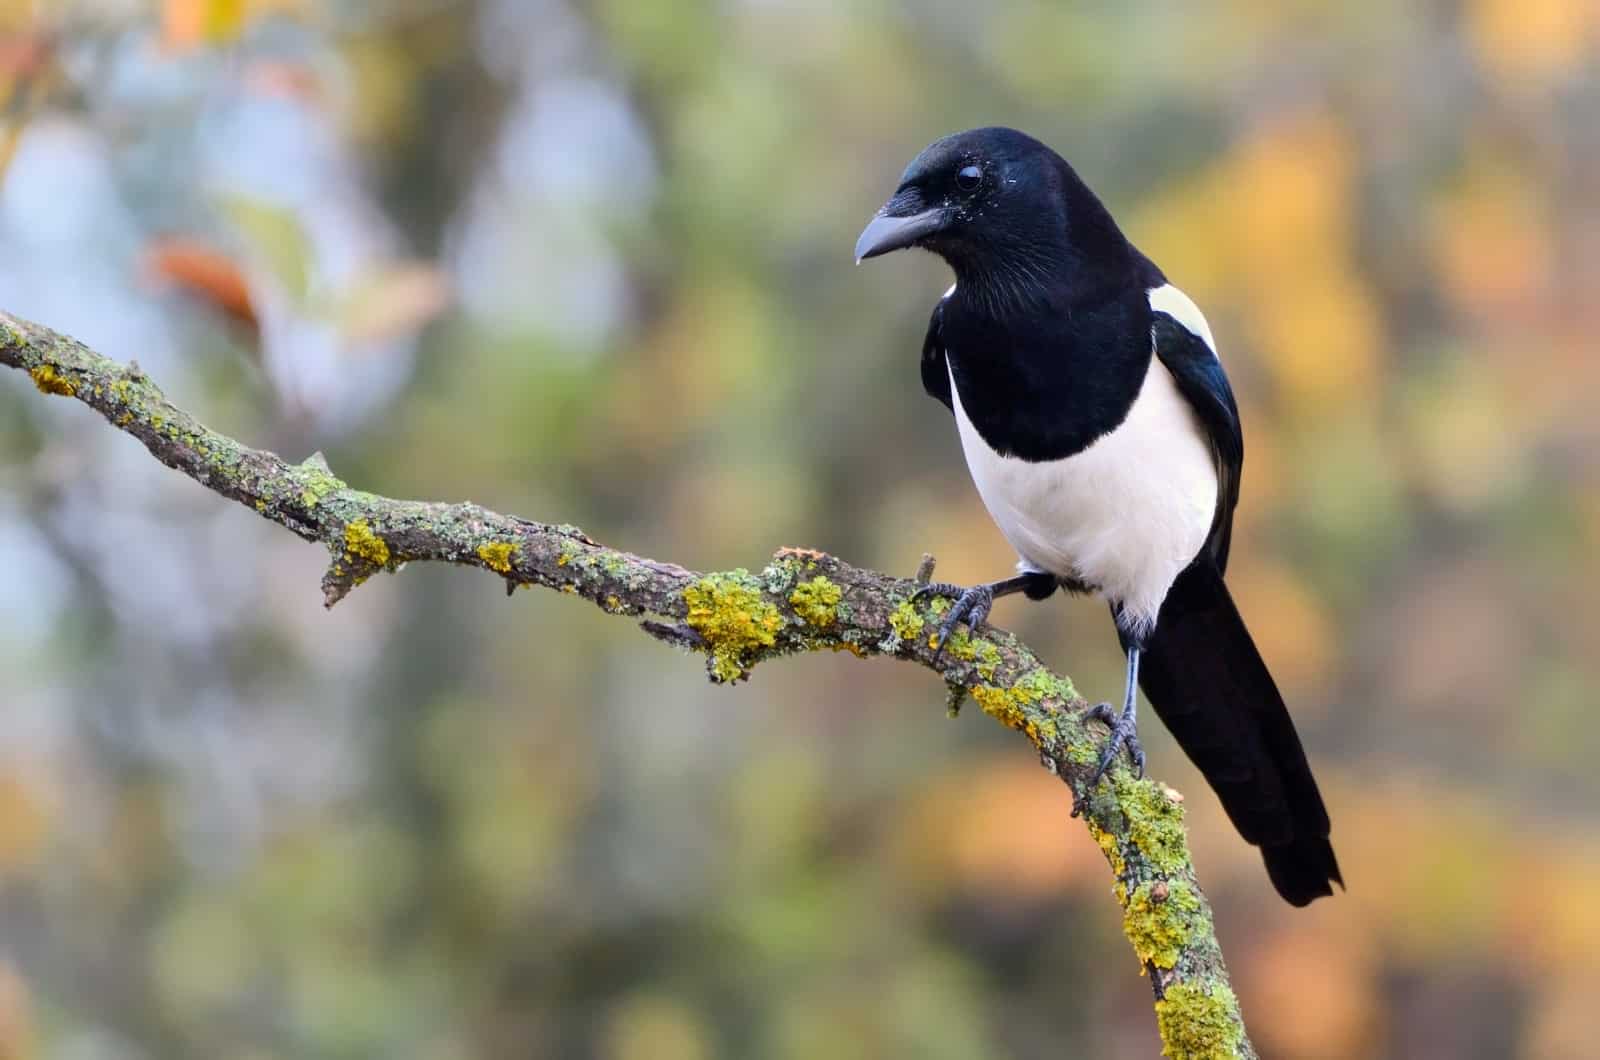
[980,652]
[817,602]
[317,481]
[49,381]
[1159,920]
[362,545]
[1200,1024]
[1155,824]
[735,621]
[497,555]
[777,576]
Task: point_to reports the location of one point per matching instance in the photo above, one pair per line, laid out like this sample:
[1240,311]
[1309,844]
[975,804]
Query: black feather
[1204,385]
[935,370]
[1201,672]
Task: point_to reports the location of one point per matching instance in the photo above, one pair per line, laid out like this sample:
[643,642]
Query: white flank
[1180,307]
[1125,515]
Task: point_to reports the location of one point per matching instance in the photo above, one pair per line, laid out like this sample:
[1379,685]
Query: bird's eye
[968,177]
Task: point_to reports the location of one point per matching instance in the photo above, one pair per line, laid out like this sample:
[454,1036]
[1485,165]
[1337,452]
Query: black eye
[968,177]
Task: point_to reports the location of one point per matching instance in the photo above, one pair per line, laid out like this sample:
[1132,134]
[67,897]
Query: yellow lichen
[817,601]
[729,613]
[1020,706]
[1110,848]
[1199,1024]
[361,544]
[1158,920]
[906,621]
[49,381]
[496,555]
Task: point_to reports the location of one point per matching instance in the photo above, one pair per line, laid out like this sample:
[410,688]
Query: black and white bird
[1102,434]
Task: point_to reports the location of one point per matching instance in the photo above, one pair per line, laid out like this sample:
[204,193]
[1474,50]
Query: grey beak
[886,232]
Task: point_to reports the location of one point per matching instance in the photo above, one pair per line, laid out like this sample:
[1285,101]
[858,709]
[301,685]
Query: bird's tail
[1201,672]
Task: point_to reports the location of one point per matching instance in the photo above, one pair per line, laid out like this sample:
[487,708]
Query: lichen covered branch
[800,601]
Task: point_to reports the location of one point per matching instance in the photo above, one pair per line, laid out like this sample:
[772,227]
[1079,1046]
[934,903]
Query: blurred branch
[801,601]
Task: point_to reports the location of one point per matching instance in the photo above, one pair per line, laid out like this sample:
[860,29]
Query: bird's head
[1000,207]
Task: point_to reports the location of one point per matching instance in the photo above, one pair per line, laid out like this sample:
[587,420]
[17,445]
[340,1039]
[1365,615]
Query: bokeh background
[589,261]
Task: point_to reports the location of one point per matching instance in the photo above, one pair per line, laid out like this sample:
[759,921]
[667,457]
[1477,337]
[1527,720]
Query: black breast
[1045,383]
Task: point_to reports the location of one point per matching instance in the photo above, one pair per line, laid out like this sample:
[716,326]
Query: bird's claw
[1124,734]
[970,604]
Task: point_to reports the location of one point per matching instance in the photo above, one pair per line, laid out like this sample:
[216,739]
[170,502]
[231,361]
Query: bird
[1102,435]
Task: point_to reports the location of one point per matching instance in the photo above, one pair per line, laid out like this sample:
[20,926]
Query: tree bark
[800,601]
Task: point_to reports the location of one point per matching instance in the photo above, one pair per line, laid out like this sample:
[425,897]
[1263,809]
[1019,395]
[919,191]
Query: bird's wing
[1184,347]
[935,373]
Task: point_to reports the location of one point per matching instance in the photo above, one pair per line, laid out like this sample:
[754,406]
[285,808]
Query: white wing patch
[1125,515]
[1180,307]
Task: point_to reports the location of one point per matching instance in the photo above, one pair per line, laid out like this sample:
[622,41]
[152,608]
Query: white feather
[1180,307]
[1125,515]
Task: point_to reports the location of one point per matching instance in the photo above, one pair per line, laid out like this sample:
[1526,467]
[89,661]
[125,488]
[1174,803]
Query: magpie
[1102,435]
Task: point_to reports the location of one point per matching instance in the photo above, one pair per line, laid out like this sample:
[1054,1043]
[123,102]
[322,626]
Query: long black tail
[1201,672]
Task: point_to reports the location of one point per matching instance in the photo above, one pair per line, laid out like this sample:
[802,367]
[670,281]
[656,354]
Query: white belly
[1125,515]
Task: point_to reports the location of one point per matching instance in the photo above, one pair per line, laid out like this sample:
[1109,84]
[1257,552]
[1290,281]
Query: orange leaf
[204,273]
[187,24]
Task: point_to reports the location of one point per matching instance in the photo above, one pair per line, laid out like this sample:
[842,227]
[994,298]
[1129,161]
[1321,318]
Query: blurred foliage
[590,262]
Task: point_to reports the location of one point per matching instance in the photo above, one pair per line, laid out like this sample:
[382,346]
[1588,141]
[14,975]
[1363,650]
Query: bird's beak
[901,223]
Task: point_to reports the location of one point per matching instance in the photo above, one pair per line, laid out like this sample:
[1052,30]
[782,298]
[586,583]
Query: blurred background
[589,261]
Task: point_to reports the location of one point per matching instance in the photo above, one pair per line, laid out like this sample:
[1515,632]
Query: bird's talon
[1124,735]
[935,589]
[971,605]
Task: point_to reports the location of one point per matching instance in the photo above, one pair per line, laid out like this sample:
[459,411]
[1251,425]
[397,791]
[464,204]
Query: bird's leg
[973,604]
[1124,727]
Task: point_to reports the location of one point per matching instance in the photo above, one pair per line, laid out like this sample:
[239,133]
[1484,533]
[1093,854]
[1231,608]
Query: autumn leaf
[202,272]
[188,24]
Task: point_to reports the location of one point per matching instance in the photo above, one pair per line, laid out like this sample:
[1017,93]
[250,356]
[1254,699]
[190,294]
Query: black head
[1003,209]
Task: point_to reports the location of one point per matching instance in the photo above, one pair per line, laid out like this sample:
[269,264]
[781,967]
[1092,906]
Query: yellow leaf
[187,24]
[225,19]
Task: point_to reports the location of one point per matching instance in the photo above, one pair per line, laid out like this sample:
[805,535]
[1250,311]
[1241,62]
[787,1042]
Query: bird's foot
[970,604]
[1124,734]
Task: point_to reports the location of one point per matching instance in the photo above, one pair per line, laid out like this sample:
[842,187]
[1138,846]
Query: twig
[799,601]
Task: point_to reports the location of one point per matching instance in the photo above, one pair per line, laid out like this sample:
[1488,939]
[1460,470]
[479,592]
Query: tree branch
[800,601]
